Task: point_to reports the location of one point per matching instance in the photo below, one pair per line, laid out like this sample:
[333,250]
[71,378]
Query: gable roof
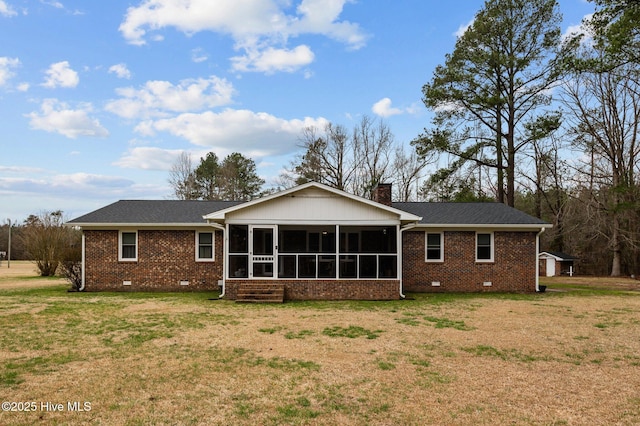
[402,215]
[469,214]
[152,212]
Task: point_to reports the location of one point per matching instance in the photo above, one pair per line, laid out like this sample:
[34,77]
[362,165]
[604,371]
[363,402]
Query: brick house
[314,241]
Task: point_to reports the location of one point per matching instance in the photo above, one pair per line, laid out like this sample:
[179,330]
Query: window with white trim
[128,246]
[434,246]
[484,247]
[204,246]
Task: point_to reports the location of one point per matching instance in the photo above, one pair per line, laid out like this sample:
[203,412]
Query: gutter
[538,261]
[82,280]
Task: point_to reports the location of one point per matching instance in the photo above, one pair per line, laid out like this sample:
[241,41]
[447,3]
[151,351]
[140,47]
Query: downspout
[224,261]
[401,248]
[538,260]
[82,264]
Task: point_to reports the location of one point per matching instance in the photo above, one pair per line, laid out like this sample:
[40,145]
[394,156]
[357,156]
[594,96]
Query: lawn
[569,356]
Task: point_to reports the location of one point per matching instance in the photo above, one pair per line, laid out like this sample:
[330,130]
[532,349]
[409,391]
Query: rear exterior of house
[318,242]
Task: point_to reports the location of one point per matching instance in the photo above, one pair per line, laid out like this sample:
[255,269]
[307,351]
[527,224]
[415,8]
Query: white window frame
[426,246]
[213,247]
[492,248]
[120,257]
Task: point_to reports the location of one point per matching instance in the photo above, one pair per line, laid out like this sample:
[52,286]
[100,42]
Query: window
[128,246]
[434,251]
[204,246]
[484,247]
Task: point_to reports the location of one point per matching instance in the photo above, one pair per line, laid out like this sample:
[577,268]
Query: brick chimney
[382,193]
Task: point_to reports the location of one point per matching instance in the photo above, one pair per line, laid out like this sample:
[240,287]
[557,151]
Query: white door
[551,267]
[262,252]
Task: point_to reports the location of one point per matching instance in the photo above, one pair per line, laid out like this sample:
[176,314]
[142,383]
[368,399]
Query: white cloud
[321,17]
[78,180]
[156,98]
[53,3]
[20,169]
[120,70]
[383,108]
[6,9]
[253,134]
[199,55]
[23,87]
[271,60]
[6,68]
[580,29]
[60,74]
[44,182]
[463,29]
[57,117]
[448,106]
[75,194]
[149,158]
[259,28]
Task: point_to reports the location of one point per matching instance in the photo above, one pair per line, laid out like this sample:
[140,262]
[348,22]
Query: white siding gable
[313,205]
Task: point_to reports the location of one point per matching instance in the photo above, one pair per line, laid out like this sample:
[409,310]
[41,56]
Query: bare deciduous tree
[407,169]
[604,113]
[372,150]
[182,178]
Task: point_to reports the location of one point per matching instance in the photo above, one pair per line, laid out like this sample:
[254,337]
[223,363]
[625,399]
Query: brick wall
[164,259]
[513,269]
[327,289]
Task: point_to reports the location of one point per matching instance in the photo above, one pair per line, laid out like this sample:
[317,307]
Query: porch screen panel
[368,252]
[306,251]
[238,251]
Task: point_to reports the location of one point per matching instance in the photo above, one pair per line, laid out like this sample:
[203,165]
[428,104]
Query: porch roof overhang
[312,204]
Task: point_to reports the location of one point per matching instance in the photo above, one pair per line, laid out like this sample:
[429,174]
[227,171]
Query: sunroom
[317,241]
[312,252]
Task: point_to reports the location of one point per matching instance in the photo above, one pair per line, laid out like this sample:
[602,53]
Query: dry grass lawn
[570,356]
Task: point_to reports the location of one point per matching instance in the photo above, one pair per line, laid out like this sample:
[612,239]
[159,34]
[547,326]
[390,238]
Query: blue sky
[99,98]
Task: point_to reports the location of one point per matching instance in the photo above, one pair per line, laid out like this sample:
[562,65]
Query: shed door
[262,252]
[551,267]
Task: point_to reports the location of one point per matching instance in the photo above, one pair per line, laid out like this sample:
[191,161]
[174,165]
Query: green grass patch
[384,365]
[270,330]
[506,354]
[13,370]
[351,332]
[299,335]
[447,323]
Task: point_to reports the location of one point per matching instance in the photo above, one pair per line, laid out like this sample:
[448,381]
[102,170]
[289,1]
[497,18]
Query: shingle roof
[191,212]
[153,212]
[468,214]
[560,255]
